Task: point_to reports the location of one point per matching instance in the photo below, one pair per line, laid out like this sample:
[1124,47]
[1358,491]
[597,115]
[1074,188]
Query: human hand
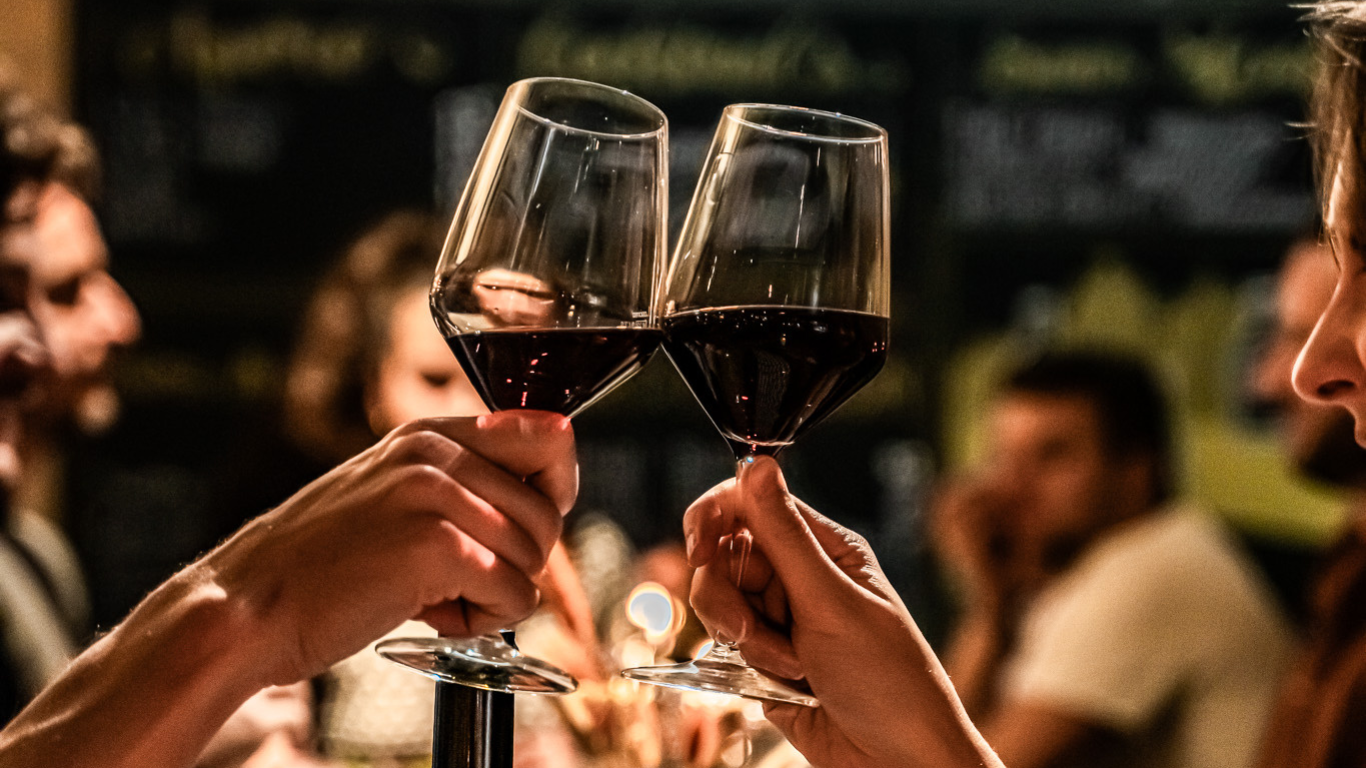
[24,359]
[446,520]
[814,605]
[563,594]
[968,528]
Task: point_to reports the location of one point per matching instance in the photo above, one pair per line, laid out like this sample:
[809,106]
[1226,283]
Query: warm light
[702,649]
[636,653]
[651,608]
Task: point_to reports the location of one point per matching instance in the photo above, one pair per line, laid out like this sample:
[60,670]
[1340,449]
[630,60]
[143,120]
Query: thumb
[536,445]
[783,533]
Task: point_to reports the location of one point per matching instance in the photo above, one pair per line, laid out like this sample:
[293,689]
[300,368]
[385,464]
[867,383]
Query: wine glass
[544,290]
[775,310]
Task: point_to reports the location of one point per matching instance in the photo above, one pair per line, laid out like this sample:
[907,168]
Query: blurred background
[1127,172]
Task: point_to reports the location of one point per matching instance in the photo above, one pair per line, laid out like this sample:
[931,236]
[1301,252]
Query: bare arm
[154,690]
[435,521]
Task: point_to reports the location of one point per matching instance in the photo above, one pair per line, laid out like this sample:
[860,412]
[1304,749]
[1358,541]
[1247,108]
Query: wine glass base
[720,677]
[486,663]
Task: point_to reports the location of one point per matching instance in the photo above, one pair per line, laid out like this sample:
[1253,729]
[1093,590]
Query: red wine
[557,369]
[767,374]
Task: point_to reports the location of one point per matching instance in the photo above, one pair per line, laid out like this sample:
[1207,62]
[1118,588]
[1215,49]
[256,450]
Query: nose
[118,316]
[1330,368]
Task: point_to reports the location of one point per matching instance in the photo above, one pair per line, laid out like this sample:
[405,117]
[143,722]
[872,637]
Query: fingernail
[691,544]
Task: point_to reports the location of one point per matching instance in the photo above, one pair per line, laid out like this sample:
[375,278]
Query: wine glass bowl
[545,289]
[786,240]
[776,304]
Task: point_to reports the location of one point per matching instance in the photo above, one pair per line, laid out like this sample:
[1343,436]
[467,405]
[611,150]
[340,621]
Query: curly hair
[345,333]
[38,146]
[29,138]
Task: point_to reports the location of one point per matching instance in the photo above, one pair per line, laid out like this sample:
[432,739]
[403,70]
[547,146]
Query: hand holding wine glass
[775,311]
[814,604]
[544,289]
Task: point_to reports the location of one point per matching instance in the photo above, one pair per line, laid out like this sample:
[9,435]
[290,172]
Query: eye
[436,380]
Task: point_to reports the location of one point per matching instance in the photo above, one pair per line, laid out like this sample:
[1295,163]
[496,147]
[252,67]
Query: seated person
[1104,624]
[369,358]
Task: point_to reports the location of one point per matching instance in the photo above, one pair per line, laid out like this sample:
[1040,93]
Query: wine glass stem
[741,544]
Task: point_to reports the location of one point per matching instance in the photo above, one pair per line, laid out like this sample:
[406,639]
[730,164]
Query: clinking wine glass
[544,290]
[775,309]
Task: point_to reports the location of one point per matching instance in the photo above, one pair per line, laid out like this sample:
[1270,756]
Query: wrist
[242,600]
[218,631]
[180,665]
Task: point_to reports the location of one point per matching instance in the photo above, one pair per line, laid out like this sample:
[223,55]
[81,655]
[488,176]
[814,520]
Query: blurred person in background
[1104,624]
[1319,716]
[84,318]
[40,605]
[369,358]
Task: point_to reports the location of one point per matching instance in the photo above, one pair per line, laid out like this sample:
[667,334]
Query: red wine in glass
[765,375]
[544,290]
[775,306]
[563,370]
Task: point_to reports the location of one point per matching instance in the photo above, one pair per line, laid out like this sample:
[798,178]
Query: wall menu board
[247,142]
[1108,133]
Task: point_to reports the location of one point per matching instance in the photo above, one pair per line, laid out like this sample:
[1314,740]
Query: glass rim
[650,108]
[733,112]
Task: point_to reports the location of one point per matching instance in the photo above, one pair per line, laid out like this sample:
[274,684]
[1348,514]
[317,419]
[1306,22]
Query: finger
[492,594]
[536,445]
[510,505]
[845,548]
[756,573]
[778,524]
[705,522]
[805,727]
[726,613]
[566,595]
[488,521]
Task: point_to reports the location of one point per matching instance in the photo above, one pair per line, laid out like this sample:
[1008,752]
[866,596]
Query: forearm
[973,659]
[940,733]
[152,692]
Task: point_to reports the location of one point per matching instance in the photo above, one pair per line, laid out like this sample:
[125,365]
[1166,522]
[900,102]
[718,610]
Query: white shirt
[1164,632]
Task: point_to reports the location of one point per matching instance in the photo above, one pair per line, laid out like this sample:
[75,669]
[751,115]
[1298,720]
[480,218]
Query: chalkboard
[247,142]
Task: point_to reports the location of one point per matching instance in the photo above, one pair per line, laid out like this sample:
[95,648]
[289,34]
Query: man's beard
[95,410]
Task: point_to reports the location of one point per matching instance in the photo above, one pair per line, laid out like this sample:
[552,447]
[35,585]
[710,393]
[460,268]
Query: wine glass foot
[486,663]
[726,677]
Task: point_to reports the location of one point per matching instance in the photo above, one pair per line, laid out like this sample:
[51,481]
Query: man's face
[1317,437]
[84,314]
[1058,483]
[23,355]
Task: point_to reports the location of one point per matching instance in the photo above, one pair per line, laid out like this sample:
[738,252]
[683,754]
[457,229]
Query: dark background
[247,142]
